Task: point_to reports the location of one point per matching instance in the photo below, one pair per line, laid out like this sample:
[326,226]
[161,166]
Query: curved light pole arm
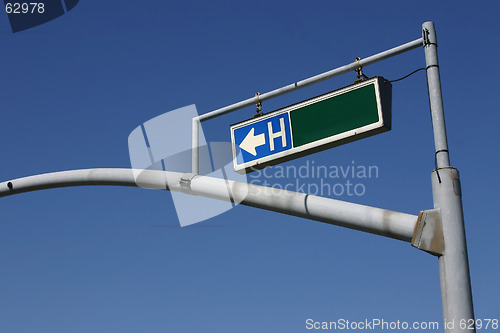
[83,177]
[360,217]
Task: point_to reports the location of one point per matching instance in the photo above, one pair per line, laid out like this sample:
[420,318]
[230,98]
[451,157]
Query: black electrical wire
[404,77]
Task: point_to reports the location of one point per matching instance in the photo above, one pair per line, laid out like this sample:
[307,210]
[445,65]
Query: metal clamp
[425,37]
[359,71]
[258,103]
[185,182]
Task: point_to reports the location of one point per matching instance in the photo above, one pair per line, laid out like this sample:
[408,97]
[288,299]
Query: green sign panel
[328,120]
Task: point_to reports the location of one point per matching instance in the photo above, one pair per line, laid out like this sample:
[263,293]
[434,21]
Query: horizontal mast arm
[355,216]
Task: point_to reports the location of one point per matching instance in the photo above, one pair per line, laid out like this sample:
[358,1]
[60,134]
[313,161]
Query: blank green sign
[335,115]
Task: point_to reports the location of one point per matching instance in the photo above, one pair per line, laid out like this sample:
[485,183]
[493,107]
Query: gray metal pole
[315,79]
[354,216]
[454,274]
[195,153]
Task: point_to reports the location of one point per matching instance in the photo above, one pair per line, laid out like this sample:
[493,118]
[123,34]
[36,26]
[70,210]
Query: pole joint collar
[428,234]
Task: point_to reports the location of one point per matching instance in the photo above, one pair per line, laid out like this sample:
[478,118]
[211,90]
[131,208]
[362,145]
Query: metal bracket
[258,103]
[185,182]
[359,72]
[428,234]
[425,37]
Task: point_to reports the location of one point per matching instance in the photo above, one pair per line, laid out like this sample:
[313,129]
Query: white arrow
[251,141]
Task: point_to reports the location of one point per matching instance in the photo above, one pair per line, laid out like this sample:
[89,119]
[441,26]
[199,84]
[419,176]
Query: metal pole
[354,216]
[195,149]
[315,79]
[454,274]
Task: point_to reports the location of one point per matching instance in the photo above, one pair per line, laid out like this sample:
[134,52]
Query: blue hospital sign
[267,137]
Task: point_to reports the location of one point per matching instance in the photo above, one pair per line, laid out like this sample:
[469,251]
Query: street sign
[344,115]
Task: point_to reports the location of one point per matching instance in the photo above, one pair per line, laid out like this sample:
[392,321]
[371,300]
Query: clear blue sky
[110,259]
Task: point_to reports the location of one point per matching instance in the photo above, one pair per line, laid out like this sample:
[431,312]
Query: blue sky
[104,259]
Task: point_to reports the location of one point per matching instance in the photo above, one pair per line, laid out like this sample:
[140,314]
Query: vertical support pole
[454,274]
[195,156]
[435,96]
